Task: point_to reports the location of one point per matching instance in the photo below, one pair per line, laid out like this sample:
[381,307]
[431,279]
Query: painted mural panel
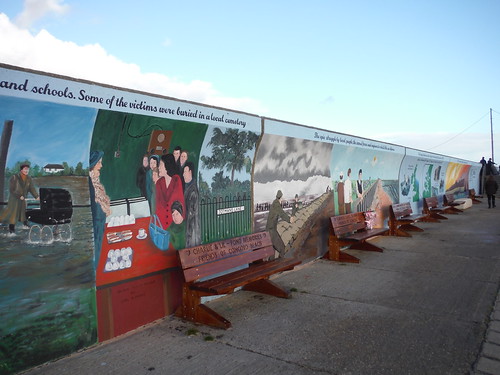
[422,175]
[47,299]
[291,188]
[364,175]
[139,176]
[225,183]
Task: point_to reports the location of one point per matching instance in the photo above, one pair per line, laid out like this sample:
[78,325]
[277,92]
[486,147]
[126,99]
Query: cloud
[92,62]
[37,9]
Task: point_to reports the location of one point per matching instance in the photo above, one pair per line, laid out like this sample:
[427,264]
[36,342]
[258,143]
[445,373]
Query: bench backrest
[431,202]
[401,209]
[448,198]
[348,223]
[210,259]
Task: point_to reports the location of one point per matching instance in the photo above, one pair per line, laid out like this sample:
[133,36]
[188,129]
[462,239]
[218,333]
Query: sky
[421,74]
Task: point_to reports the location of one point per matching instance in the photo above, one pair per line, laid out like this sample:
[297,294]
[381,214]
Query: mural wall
[99,188]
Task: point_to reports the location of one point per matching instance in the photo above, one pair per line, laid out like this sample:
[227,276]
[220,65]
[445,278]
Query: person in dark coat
[276,212]
[491,187]
[20,185]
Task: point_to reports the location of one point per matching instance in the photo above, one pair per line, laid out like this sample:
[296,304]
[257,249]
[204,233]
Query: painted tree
[229,150]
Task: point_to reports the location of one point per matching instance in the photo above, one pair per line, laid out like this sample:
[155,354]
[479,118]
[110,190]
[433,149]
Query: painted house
[53,168]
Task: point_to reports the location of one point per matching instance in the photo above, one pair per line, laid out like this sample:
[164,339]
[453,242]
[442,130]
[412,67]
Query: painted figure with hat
[99,201]
[20,185]
[276,212]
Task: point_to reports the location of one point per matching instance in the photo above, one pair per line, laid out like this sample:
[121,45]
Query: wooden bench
[350,230]
[432,208]
[474,197]
[247,254]
[402,218]
[449,200]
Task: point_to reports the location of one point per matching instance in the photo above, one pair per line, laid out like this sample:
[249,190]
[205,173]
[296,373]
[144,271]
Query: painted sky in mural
[63,130]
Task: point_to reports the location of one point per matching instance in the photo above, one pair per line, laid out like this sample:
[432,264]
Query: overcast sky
[422,74]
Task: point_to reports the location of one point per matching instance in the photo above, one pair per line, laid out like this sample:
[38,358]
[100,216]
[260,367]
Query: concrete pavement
[426,305]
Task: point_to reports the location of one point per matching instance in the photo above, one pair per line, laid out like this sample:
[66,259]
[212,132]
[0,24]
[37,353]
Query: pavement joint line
[446,316]
[316,369]
[418,272]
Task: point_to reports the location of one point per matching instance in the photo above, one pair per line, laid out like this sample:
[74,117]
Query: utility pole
[491,124]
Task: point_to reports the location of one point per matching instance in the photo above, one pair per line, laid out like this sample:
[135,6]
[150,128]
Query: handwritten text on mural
[118,102]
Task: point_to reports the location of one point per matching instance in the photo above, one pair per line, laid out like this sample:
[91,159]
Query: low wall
[130,161]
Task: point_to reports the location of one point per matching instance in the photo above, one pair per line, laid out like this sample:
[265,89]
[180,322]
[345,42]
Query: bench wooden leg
[363,245]
[335,254]
[430,219]
[437,216]
[399,233]
[266,286]
[194,311]
[341,256]
[411,228]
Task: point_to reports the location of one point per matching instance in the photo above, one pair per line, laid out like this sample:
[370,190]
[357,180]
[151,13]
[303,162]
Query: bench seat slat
[227,283]
[211,268]
[365,234]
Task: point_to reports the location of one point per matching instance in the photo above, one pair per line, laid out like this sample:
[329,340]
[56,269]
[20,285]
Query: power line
[463,131]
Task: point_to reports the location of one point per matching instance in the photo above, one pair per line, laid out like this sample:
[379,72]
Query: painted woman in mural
[177,228]
[20,185]
[141,176]
[359,184]
[151,178]
[99,201]
[348,192]
[276,212]
[191,197]
[168,190]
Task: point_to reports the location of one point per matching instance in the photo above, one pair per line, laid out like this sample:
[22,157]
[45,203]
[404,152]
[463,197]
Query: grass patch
[192,332]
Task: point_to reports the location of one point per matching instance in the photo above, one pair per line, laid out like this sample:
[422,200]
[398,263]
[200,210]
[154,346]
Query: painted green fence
[225,217]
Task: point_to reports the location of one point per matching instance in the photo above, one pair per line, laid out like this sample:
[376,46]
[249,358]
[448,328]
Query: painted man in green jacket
[20,185]
[276,212]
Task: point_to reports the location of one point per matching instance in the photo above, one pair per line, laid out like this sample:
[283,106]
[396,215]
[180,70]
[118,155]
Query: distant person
[483,162]
[482,173]
[491,167]
[491,187]
[20,185]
